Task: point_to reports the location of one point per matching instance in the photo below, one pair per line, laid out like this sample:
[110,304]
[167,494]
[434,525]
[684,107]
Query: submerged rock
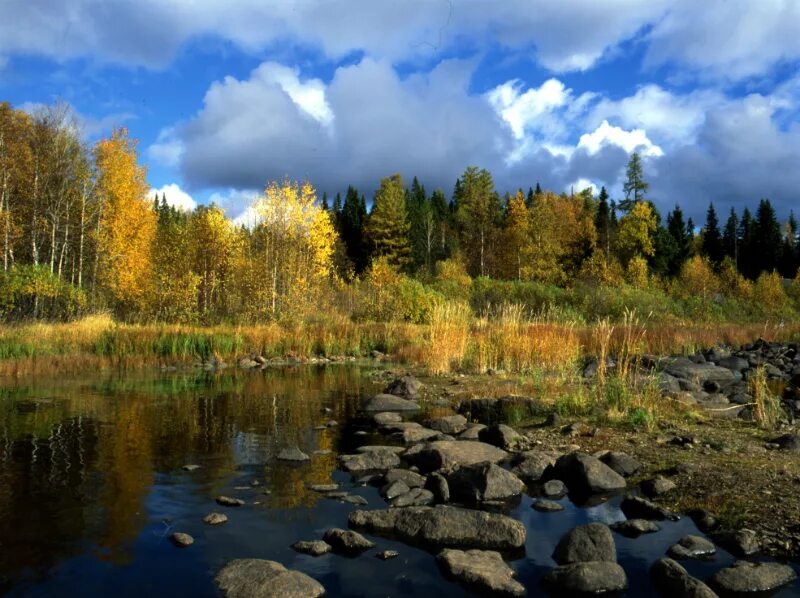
[312,547]
[632,528]
[547,506]
[483,570]
[215,518]
[597,577]
[444,526]
[227,501]
[586,543]
[385,555]
[292,454]
[745,578]
[692,547]
[259,578]
[181,540]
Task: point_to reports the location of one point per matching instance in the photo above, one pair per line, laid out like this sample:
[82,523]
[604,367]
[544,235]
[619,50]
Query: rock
[744,578]
[416,497]
[312,547]
[668,384]
[323,487]
[181,540]
[490,410]
[743,542]
[377,448]
[410,478]
[385,555]
[215,518]
[635,507]
[451,424]
[586,578]
[531,465]
[622,463]
[483,570]
[500,435]
[292,454]
[386,402]
[547,506]
[577,429]
[247,364]
[347,541]
[227,501]
[407,387]
[703,519]
[444,526]
[369,461]
[439,488]
[415,435]
[674,581]
[657,486]
[258,578]
[449,454]
[394,489]
[583,474]
[554,489]
[586,543]
[190,467]
[632,528]
[788,442]
[387,417]
[472,484]
[692,547]
[354,499]
[699,373]
[472,432]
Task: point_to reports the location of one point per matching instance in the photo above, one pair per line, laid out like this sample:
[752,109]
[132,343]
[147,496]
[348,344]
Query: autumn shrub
[769,294]
[452,280]
[636,274]
[33,292]
[533,298]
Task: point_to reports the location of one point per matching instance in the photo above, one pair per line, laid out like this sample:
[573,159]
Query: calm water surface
[91,485]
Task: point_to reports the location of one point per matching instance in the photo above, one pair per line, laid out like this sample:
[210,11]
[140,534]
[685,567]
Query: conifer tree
[766,238]
[387,227]
[747,265]
[635,186]
[676,227]
[730,238]
[602,222]
[712,239]
[478,213]
[351,229]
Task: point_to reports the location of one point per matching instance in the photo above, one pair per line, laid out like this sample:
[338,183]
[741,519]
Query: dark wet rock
[788,442]
[692,547]
[583,474]
[547,506]
[323,487]
[385,555]
[258,578]
[439,488]
[746,579]
[586,578]
[292,454]
[227,501]
[743,542]
[181,540]
[190,467]
[633,528]
[483,481]
[416,497]
[489,410]
[385,418]
[354,499]
[674,581]
[472,432]
[312,547]
[635,507]
[347,541]
[483,570]
[531,465]
[700,373]
[586,543]
[447,455]
[215,518]
[415,435]
[407,387]
[554,489]
[369,461]
[387,402]
[704,520]
[410,478]
[444,526]
[622,463]
[450,424]
[499,435]
[657,486]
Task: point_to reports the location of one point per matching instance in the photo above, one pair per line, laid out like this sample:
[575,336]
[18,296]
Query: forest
[82,234]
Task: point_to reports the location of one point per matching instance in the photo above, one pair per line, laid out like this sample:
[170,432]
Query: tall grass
[767,409]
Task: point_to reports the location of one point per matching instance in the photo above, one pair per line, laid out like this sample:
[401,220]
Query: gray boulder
[633,528]
[531,465]
[499,435]
[554,489]
[483,570]
[622,463]
[369,461]
[407,387]
[292,454]
[312,547]
[657,486]
[472,432]
[483,481]
[410,478]
[383,418]
[416,497]
[387,402]
[674,581]
[699,373]
[692,547]
[743,542]
[586,578]
[450,454]
[583,474]
[347,541]
[444,526]
[258,578]
[635,507]
[586,543]
[450,424]
[747,579]
[438,486]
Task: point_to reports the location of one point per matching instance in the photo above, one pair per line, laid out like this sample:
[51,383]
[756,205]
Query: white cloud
[524,110]
[309,96]
[176,197]
[237,204]
[168,148]
[606,134]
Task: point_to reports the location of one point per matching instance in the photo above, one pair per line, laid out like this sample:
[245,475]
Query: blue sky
[224,97]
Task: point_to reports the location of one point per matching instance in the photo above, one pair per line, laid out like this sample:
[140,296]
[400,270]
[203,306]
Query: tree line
[80,233]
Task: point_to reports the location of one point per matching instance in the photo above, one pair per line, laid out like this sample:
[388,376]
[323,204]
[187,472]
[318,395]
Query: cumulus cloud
[176,197]
[167,149]
[630,141]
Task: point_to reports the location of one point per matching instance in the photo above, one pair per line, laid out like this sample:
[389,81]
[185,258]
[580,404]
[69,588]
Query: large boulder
[584,474]
[599,577]
[700,373]
[747,579]
[692,547]
[449,424]
[369,461]
[674,581]
[531,465]
[443,527]
[449,454]
[622,463]
[407,387]
[347,541]
[499,435]
[483,570]
[410,478]
[259,578]
[586,543]
[742,542]
[387,402]
[483,481]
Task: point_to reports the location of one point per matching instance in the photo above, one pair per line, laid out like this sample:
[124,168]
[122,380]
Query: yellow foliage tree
[518,238]
[636,274]
[769,293]
[697,279]
[127,223]
[214,246]
[635,233]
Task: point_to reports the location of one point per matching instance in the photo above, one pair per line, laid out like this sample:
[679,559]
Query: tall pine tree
[635,186]
[712,238]
[387,227]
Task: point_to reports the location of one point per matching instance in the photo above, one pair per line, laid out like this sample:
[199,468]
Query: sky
[227,96]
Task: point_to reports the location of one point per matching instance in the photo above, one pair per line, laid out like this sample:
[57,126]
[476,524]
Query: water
[91,485]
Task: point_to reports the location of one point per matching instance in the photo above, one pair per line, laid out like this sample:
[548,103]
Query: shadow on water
[91,485]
